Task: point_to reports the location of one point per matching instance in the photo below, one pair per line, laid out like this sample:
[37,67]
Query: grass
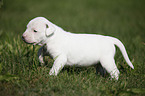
[20,72]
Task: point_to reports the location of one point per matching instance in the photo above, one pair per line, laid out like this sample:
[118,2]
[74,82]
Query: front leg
[58,65]
[41,55]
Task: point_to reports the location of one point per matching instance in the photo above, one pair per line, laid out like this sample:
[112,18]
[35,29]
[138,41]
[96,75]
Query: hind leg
[109,64]
[100,70]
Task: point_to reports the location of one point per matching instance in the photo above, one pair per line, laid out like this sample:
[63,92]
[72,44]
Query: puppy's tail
[123,51]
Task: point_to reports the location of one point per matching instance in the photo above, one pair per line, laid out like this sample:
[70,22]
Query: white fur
[73,49]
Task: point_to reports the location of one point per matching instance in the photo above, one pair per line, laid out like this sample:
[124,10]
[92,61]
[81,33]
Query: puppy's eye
[35,31]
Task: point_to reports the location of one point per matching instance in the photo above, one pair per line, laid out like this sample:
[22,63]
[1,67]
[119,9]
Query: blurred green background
[123,19]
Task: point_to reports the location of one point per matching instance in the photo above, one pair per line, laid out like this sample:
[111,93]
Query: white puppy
[73,49]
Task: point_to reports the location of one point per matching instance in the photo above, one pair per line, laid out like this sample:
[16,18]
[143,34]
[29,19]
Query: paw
[41,60]
[52,72]
[115,74]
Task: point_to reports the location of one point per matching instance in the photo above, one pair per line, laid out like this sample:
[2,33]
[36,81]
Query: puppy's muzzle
[23,38]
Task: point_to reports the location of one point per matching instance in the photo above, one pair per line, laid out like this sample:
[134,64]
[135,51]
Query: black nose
[23,38]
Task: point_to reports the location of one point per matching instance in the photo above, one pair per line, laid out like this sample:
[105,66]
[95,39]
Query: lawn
[21,73]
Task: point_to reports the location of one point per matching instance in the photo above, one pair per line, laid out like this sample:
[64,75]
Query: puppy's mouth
[26,41]
[34,43]
[39,43]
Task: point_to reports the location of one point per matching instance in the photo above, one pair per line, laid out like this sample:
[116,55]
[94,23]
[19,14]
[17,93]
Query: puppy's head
[38,30]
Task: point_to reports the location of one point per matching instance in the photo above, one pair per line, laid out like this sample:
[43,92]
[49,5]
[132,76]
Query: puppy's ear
[49,30]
